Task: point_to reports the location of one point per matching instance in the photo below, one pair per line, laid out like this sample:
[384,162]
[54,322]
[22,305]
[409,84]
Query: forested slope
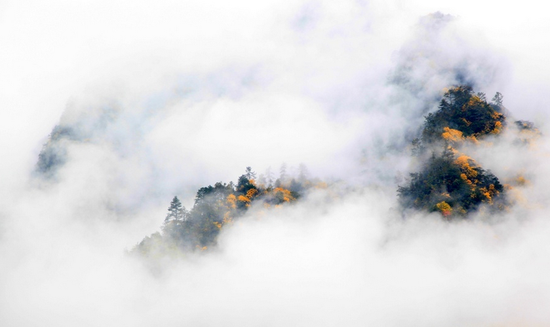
[219,206]
[449,180]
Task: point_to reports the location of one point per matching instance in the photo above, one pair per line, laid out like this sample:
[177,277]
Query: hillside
[219,206]
[449,181]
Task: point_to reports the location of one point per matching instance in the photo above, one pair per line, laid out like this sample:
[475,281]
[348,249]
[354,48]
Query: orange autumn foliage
[243,198]
[284,194]
[251,193]
[465,164]
[452,135]
[231,200]
[444,208]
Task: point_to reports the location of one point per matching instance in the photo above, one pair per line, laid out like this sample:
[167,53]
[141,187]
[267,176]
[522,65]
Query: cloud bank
[161,99]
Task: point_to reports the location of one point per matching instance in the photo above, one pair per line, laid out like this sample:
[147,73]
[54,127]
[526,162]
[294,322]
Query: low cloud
[159,100]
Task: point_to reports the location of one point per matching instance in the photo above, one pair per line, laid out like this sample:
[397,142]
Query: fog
[164,98]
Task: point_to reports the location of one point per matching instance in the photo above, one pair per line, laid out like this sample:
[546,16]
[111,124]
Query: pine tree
[250,174]
[497,99]
[175,211]
[282,173]
[482,96]
[269,178]
[304,173]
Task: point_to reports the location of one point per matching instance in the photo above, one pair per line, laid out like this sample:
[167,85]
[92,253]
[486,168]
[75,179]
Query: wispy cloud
[160,99]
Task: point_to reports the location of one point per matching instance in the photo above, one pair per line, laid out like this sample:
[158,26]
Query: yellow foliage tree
[467,166]
[284,194]
[243,198]
[452,135]
[231,201]
[497,129]
[251,193]
[444,208]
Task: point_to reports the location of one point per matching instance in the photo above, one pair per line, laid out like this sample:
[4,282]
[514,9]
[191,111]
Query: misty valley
[265,163]
[447,180]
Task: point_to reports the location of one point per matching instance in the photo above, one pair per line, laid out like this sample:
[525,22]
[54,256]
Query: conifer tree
[175,211]
[497,99]
[250,174]
[282,173]
[269,178]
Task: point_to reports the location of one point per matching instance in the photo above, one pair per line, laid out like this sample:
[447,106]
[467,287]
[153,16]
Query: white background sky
[52,51]
[295,81]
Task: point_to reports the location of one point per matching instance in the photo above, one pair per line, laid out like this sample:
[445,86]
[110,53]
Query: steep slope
[217,207]
[449,181]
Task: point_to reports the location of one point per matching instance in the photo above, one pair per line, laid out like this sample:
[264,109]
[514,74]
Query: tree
[296,188]
[303,173]
[250,174]
[175,211]
[282,173]
[497,99]
[214,207]
[244,185]
[269,178]
[482,96]
[463,111]
[261,182]
[451,182]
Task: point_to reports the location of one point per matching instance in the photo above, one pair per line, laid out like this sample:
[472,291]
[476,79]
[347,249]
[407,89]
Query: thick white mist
[196,91]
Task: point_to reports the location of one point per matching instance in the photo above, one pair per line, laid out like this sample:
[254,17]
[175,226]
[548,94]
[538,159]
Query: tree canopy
[218,206]
[450,181]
